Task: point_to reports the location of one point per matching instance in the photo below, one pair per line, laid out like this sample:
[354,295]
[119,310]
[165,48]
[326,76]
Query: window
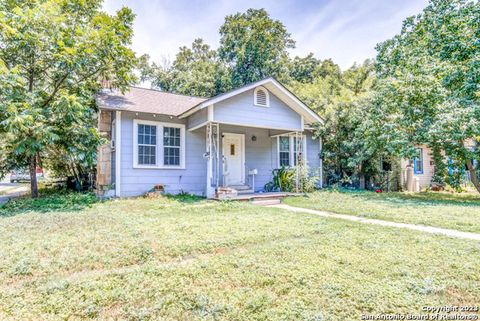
[287,150]
[147,145]
[171,146]
[284,151]
[261,97]
[168,151]
[418,161]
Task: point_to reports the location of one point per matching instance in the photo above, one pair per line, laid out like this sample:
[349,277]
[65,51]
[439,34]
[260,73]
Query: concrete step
[240,187]
[244,191]
[266,202]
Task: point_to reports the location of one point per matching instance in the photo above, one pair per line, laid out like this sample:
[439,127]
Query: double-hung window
[284,151]
[147,144]
[418,161]
[158,145]
[290,150]
[171,146]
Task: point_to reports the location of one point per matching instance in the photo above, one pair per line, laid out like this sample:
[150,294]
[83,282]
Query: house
[197,145]
[424,167]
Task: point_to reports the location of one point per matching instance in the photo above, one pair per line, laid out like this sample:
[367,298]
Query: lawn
[453,211]
[70,257]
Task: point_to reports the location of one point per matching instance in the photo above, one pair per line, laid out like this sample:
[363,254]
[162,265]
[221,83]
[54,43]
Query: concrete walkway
[421,228]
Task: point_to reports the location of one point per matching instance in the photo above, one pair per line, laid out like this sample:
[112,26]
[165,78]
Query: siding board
[260,154]
[240,109]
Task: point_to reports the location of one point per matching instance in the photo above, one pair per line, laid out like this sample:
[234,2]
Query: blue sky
[346,31]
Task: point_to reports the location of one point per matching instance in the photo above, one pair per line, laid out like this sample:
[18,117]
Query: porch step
[240,187]
[265,202]
[244,191]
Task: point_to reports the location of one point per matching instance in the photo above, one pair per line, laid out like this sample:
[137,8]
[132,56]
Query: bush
[285,178]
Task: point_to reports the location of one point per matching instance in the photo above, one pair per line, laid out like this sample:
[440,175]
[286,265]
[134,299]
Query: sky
[345,31]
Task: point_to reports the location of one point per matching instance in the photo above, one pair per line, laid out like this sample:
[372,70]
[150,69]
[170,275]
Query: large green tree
[429,83]
[196,71]
[344,100]
[53,53]
[254,46]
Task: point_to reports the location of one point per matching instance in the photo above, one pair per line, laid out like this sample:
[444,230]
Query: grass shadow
[49,200]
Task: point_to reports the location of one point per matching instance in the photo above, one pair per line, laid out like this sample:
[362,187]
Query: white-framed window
[287,155]
[418,161]
[284,151]
[261,97]
[171,146]
[158,145]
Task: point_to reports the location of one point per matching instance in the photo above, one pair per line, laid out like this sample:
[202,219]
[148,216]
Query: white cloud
[346,31]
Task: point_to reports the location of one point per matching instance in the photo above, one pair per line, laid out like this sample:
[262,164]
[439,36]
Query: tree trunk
[33,177]
[473,175]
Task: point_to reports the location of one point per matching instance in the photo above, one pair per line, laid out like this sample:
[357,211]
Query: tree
[344,100]
[53,54]
[254,46]
[304,69]
[429,78]
[196,71]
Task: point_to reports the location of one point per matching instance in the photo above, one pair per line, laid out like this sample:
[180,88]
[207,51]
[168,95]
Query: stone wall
[104,154]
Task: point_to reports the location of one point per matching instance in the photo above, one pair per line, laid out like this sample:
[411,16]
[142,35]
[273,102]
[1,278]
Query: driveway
[11,190]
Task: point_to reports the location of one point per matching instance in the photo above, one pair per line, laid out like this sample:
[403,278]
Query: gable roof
[274,87]
[147,101]
[159,102]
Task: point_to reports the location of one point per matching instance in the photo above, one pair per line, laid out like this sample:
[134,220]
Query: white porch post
[297,161]
[210,191]
[321,163]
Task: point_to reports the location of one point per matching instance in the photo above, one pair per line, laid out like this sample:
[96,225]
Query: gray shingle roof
[147,101]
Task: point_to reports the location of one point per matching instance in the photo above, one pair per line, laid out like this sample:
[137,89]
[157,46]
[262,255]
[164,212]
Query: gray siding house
[197,145]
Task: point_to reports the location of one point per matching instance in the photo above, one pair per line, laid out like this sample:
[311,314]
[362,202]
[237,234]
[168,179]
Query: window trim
[415,170]
[267,94]
[291,151]
[160,147]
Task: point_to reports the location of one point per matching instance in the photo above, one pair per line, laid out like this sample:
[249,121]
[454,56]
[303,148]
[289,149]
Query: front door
[233,162]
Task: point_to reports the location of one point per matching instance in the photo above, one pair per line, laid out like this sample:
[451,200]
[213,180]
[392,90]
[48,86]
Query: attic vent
[261,97]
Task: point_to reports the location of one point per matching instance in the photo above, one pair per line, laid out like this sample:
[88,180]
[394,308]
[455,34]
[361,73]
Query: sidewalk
[421,228]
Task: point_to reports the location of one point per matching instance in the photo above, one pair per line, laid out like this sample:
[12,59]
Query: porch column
[321,163]
[210,191]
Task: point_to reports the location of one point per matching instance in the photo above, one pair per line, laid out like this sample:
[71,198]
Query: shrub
[285,178]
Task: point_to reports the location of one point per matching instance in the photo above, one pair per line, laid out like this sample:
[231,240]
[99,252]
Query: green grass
[184,259]
[453,211]
[49,200]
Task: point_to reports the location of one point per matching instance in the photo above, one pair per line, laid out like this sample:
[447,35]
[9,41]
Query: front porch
[240,159]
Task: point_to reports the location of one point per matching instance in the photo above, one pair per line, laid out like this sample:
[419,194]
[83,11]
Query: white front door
[233,162]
